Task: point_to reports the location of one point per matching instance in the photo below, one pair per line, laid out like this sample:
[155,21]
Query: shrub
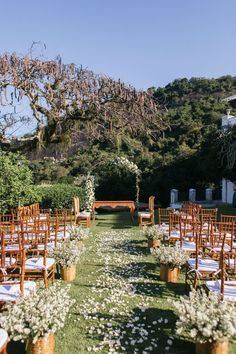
[16,185]
[60,196]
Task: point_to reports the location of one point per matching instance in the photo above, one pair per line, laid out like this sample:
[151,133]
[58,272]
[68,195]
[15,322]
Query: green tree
[16,185]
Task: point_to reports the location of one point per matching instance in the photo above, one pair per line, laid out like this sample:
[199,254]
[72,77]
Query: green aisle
[121,306]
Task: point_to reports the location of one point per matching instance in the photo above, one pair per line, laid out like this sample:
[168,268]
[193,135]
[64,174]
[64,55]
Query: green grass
[150,302]
[75,337]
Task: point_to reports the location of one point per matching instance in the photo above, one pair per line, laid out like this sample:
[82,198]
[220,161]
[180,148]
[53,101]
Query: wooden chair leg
[45,279]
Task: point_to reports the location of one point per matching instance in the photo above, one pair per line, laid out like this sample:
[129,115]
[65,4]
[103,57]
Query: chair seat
[50,246]
[186,246]
[231,263]
[3,338]
[9,291]
[37,263]
[60,235]
[218,248]
[83,214]
[204,265]
[15,247]
[9,261]
[145,214]
[173,234]
[165,227]
[229,289]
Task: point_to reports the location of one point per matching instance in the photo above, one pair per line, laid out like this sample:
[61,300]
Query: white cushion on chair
[37,263]
[60,235]
[144,214]
[187,246]
[218,249]
[173,234]
[11,292]
[3,338]
[50,246]
[204,265]
[15,247]
[231,263]
[229,290]
[84,214]
[9,261]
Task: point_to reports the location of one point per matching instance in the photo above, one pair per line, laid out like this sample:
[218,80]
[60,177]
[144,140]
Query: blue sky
[144,43]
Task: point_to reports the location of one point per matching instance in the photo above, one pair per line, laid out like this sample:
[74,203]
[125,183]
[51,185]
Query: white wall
[228,189]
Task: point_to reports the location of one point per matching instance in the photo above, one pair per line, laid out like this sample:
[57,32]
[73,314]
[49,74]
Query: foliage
[205,318]
[59,195]
[170,256]
[89,191]
[38,314]
[66,254]
[16,184]
[154,232]
[191,143]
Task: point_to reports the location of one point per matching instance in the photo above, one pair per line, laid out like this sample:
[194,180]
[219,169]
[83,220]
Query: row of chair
[210,244]
[27,236]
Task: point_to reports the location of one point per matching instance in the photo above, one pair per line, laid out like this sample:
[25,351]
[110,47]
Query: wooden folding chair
[200,267]
[12,274]
[147,217]
[81,217]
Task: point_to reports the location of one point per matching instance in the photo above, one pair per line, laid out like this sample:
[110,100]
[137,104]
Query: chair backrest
[164,215]
[151,204]
[76,205]
[222,232]
[208,213]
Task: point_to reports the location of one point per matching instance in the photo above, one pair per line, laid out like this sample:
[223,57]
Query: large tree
[57,92]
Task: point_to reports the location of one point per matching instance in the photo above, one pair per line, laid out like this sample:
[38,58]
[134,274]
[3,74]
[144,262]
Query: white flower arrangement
[78,233]
[66,254]
[128,165]
[170,256]
[89,192]
[38,314]
[205,317]
[154,232]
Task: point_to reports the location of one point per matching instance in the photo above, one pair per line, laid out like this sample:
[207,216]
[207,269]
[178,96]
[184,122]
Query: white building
[228,187]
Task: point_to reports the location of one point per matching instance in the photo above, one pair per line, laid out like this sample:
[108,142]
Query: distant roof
[230,98]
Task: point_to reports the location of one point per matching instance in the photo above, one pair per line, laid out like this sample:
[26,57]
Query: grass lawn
[121,305]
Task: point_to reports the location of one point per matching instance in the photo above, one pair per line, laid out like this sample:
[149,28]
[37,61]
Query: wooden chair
[225,287]
[200,267]
[164,215]
[208,214]
[173,233]
[38,265]
[12,274]
[81,217]
[147,217]
[221,233]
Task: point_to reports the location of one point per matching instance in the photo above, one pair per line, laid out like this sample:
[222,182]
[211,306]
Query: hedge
[59,195]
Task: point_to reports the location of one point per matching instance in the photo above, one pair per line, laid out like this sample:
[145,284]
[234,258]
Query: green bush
[59,195]
[16,184]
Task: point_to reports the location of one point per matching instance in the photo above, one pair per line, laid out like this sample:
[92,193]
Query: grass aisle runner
[121,305]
